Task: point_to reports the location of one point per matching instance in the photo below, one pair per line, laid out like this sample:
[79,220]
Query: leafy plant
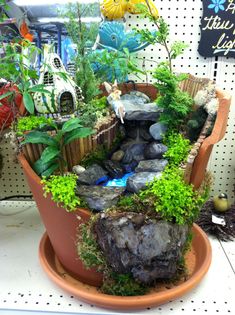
[175,200]
[178,148]
[52,157]
[15,67]
[31,122]
[176,104]
[62,189]
[82,34]
[93,111]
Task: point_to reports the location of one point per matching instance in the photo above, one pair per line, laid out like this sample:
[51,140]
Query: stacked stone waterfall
[139,157]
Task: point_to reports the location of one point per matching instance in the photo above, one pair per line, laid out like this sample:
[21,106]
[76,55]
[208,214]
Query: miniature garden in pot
[118,169]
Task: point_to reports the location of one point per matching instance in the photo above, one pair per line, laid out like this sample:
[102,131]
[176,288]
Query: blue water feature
[119,182]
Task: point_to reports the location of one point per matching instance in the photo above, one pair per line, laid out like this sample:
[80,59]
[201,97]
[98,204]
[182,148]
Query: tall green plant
[175,103]
[52,157]
[82,36]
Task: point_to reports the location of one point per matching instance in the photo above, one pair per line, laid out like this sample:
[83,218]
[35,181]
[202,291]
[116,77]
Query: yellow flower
[116,9]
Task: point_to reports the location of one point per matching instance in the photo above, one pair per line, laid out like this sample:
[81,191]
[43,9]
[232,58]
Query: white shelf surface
[26,289]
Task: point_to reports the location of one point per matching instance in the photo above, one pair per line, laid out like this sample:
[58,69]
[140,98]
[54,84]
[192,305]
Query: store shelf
[25,288]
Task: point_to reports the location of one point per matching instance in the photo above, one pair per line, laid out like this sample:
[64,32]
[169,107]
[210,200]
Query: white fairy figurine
[114,99]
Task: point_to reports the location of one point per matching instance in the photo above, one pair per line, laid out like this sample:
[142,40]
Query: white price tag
[218,220]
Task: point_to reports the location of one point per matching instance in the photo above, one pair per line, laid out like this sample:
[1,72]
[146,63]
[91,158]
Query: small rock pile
[140,152]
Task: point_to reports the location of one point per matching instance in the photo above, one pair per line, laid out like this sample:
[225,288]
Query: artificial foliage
[52,156]
[175,103]
[62,189]
[175,200]
[178,148]
[95,110]
[82,36]
[29,123]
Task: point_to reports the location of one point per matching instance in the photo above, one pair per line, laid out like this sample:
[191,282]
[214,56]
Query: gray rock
[155,150]
[78,169]
[147,248]
[156,165]
[133,99]
[138,130]
[114,169]
[133,152]
[117,156]
[141,95]
[135,111]
[138,181]
[93,175]
[157,131]
[100,198]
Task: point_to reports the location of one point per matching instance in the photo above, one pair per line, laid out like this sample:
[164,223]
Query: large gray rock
[98,197]
[139,181]
[147,248]
[154,150]
[157,131]
[133,152]
[138,130]
[141,95]
[93,175]
[135,111]
[156,165]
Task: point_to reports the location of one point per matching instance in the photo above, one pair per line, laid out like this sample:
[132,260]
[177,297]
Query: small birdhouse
[64,93]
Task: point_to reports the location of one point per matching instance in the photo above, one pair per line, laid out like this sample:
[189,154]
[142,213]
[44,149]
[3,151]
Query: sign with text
[218,29]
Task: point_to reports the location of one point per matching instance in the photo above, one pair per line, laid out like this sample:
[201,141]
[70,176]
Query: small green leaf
[50,170]
[71,124]
[40,137]
[28,102]
[49,154]
[77,133]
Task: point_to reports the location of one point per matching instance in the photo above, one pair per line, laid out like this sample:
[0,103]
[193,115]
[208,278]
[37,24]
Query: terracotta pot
[198,260]
[61,227]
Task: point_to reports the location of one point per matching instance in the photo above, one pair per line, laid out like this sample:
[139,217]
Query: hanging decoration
[24,31]
[116,9]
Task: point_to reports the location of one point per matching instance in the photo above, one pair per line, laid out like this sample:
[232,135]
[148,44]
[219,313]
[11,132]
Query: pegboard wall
[184,18]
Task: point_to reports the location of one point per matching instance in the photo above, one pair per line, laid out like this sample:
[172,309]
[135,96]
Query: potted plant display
[120,182]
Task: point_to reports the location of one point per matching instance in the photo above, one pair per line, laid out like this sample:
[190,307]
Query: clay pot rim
[133,302]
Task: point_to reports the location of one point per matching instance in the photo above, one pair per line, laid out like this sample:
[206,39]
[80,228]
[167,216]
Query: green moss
[88,249]
[123,285]
[31,122]
[175,200]
[178,148]
[62,189]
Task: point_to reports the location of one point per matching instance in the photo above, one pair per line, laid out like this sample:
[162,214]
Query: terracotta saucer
[198,261]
